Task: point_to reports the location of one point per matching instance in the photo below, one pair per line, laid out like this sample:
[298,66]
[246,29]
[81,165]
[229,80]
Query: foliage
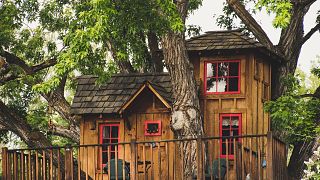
[293,115]
[313,166]
[280,8]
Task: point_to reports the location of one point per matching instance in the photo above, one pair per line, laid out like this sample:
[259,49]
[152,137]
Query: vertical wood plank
[109,161]
[22,166]
[68,164]
[269,156]
[51,165]
[29,166]
[159,160]
[116,158]
[124,162]
[59,166]
[44,165]
[4,154]
[37,166]
[199,159]
[167,160]
[152,167]
[144,160]
[133,160]
[227,158]
[15,165]
[79,163]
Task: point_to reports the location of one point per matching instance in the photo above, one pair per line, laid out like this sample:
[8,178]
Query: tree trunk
[21,128]
[302,152]
[154,52]
[186,118]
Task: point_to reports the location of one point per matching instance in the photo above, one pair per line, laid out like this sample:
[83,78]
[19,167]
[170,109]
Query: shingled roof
[222,40]
[111,96]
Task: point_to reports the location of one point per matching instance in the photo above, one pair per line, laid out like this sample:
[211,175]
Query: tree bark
[21,128]
[154,52]
[186,119]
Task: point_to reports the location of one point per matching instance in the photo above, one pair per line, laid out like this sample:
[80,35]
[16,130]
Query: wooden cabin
[131,113]
[233,72]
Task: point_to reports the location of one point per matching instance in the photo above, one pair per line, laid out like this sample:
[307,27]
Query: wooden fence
[237,157]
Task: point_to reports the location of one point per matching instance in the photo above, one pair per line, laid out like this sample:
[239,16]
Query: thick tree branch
[310,33]
[21,128]
[70,132]
[252,24]
[29,70]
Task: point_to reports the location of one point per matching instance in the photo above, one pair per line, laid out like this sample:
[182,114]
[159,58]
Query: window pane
[235,121]
[222,85]
[211,69]
[234,69]
[231,148]
[225,133]
[106,132]
[233,84]
[211,85]
[222,69]
[235,132]
[224,149]
[114,131]
[104,157]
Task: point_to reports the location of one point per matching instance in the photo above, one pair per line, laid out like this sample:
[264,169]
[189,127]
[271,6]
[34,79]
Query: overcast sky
[210,9]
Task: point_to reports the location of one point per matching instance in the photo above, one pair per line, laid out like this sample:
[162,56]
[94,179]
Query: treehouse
[125,123]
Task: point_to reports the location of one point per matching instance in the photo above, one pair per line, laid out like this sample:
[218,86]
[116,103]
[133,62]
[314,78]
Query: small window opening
[152,128]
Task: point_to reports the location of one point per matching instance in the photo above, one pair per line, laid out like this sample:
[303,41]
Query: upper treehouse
[234,75]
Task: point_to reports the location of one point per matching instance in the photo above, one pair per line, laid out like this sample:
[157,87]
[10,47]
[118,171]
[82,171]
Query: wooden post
[4,163]
[133,161]
[68,164]
[269,155]
[199,159]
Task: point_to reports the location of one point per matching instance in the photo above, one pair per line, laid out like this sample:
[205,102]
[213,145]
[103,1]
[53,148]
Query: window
[230,125]
[222,77]
[152,128]
[265,93]
[109,133]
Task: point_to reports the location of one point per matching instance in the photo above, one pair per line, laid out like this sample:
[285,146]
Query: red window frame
[146,133]
[217,77]
[231,146]
[109,140]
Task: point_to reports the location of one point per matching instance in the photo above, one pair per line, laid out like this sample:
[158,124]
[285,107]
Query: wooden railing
[235,157]
[277,153]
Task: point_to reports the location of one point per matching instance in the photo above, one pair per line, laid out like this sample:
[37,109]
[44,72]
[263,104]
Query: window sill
[223,96]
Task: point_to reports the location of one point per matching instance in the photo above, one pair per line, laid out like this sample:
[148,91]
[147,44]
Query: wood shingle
[110,97]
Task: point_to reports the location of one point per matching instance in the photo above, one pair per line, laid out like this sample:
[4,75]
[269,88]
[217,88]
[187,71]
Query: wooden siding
[146,107]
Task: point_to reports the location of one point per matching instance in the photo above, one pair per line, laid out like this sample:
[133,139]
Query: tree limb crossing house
[130,114]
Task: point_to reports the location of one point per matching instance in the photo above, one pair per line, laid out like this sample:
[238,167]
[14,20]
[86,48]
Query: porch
[237,157]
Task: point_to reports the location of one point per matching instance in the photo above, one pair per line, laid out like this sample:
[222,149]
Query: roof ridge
[125,75]
[218,31]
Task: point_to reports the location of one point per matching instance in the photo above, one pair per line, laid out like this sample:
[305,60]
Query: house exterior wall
[132,127]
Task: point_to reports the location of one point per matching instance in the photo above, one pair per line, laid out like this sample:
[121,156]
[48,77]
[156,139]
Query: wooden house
[132,111]
[233,72]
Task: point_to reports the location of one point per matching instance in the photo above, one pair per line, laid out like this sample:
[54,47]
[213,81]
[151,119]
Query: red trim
[216,77]
[101,126]
[146,133]
[230,156]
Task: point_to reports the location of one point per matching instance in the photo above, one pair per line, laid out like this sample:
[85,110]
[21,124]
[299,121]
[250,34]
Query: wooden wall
[255,81]
[146,107]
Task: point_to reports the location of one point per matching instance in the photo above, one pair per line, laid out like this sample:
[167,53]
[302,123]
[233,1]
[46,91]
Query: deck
[257,156]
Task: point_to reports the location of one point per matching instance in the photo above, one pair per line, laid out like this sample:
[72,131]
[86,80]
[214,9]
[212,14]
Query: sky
[206,16]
